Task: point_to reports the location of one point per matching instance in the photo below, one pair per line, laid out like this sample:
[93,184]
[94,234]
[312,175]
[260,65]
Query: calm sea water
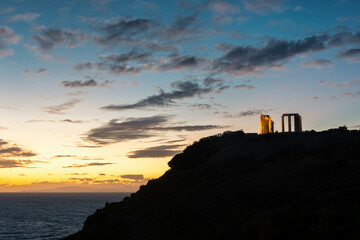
[48,216]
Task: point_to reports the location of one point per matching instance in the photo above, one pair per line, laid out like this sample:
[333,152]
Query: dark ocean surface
[48,216]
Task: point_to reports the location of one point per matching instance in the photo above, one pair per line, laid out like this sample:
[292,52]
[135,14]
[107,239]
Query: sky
[98,95]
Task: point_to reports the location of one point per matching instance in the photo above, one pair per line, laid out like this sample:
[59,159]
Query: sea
[48,216]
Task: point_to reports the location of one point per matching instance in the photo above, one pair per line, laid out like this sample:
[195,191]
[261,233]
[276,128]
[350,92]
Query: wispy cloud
[351,94]
[177,62]
[265,7]
[248,59]
[181,90]
[318,63]
[247,113]
[6,163]
[138,128]
[7,10]
[157,151]
[345,84]
[133,176]
[10,154]
[26,17]
[59,109]
[49,38]
[7,37]
[123,30]
[39,71]
[351,55]
[84,84]
[93,164]
[244,86]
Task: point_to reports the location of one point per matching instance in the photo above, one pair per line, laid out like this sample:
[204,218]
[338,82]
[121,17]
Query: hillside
[245,186]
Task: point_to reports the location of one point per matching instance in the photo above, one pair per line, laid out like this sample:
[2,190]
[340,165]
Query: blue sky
[102,89]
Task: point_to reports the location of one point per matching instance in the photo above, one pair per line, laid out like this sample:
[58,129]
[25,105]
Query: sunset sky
[98,95]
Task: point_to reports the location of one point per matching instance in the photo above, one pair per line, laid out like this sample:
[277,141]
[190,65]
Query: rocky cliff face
[245,186]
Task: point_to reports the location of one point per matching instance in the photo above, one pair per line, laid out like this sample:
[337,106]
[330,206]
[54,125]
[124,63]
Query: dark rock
[245,186]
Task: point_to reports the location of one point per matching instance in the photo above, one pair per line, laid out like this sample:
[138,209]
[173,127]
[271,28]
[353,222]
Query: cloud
[156,152]
[137,128]
[180,27]
[64,156]
[345,84]
[53,121]
[248,113]
[201,106]
[7,37]
[146,33]
[132,62]
[352,55]
[6,10]
[9,150]
[84,66]
[224,11]
[344,37]
[130,129]
[81,179]
[26,17]
[264,7]
[82,84]
[39,71]
[132,56]
[50,38]
[113,68]
[353,95]
[124,30]
[224,7]
[5,163]
[249,59]
[72,121]
[343,19]
[133,176]
[324,83]
[177,62]
[15,152]
[244,86]
[5,53]
[93,164]
[318,63]
[135,62]
[59,109]
[10,154]
[77,93]
[181,90]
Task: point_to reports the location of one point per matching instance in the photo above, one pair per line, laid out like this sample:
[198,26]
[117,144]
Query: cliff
[245,186]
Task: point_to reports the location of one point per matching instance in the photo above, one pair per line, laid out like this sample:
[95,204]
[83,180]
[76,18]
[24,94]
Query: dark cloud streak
[185,89]
[138,128]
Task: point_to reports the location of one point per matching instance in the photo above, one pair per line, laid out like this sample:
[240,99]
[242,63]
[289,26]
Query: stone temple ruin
[267,125]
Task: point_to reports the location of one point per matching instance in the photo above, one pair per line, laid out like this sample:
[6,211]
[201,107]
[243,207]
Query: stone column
[289,122]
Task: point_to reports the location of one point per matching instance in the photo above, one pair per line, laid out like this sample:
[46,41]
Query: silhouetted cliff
[245,186]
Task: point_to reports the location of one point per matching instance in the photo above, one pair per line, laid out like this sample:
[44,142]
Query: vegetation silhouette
[245,186]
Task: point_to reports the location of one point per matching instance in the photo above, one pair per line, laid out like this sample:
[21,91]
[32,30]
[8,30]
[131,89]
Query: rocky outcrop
[245,186]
